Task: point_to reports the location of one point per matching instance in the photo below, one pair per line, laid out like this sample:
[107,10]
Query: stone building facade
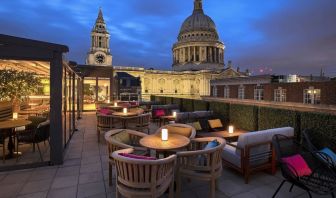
[198,58]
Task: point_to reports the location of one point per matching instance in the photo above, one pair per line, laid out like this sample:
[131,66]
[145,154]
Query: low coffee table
[164,119]
[230,137]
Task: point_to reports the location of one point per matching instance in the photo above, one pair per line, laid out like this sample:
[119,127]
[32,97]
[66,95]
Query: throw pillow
[133,156]
[180,130]
[196,125]
[297,165]
[211,144]
[122,137]
[159,112]
[330,153]
[215,123]
[104,111]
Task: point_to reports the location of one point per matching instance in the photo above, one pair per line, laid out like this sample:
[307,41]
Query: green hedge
[169,100]
[201,105]
[269,118]
[187,105]
[221,110]
[152,98]
[322,126]
[177,101]
[244,116]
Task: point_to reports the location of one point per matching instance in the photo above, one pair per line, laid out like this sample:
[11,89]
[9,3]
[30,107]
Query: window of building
[226,92]
[312,96]
[175,90]
[146,91]
[241,92]
[161,91]
[259,92]
[280,95]
[214,91]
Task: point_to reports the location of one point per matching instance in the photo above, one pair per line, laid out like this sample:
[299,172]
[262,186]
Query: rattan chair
[192,133]
[106,123]
[114,144]
[321,181]
[200,164]
[6,111]
[141,123]
[143,178]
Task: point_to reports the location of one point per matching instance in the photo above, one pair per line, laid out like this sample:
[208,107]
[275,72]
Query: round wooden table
[115,108]
[124,117]
[12,124]
[155,142]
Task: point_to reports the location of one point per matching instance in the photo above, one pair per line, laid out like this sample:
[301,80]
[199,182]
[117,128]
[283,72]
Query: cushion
[122,137]
[330,153]
[159,112]
[297,165]
[133,156]
[196,125]
[215,123]
[230,155]
[204,124]
[180,130]
[211,145]
[104,111]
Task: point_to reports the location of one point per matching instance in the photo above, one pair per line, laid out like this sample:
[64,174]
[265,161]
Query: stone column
[189,54]
[194,51]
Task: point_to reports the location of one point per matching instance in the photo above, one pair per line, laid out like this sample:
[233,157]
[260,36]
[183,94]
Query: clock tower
[99,54]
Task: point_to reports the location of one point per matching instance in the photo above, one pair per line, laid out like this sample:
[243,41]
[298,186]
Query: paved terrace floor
[85,173]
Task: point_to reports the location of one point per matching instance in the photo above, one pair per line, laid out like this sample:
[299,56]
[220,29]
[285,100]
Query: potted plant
[17,85]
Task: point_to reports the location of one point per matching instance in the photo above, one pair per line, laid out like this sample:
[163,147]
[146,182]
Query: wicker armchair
[143,178]
[190,134]
[200,164]
[106,123]
[117,140]
[140,122]
[321,181]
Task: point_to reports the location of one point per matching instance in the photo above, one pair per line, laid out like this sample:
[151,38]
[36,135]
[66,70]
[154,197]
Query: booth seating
[254,151]
[163,110]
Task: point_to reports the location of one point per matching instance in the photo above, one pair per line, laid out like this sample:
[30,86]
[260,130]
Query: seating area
[200,144]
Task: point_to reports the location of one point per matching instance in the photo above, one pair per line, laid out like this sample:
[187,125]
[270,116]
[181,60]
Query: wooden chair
[114,144]
[6,111]
[143,178]
[200,164]
[142,123]
[174,128]
[106,123]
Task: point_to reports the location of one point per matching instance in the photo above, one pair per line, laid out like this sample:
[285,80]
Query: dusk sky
[278,36]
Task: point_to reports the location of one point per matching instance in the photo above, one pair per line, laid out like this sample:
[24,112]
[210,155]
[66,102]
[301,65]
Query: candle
[15,115]
[108,101]
[164,134]
[125,110]
[115,104]
[231,129]
[174,114]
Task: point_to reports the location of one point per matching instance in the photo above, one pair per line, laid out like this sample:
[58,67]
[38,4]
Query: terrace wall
[253,117]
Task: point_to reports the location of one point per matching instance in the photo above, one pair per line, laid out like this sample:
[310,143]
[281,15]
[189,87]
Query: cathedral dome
[198,21]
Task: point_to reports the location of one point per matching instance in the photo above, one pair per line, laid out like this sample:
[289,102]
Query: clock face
[100,59]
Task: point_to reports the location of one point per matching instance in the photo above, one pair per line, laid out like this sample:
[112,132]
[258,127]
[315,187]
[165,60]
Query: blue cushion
[330,153]
[211,145]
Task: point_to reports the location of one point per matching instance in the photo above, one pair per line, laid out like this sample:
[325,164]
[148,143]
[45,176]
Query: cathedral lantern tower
[99,53]
[198,46]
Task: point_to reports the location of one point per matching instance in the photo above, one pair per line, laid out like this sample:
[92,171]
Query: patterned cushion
[104,111]
[330,153]
[122,137]
[179,130]
[215,123]
[297,165]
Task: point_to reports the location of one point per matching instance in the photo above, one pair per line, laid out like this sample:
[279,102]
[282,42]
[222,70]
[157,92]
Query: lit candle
[108,101]
[174,114]
[15,115]
[164,134]
[125,110]
[231,128]
[115,104]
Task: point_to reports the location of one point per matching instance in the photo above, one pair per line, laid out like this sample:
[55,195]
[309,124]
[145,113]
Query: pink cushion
[134,103]
[133,156]
[159,112]
[299,165]
[104,111]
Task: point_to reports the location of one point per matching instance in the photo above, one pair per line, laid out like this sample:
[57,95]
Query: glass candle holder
[174,114]
[164,134]
[125,110]
[231,129]
[15,115]
[115,104]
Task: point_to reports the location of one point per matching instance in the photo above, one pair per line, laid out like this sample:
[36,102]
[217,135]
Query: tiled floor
[85,173]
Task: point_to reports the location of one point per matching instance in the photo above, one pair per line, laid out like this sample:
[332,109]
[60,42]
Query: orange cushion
[215,123]
[180,130]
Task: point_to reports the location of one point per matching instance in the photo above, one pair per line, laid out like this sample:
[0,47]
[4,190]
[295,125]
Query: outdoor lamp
[125,110]
[108,101]
[174,114]
[164,134]
[115,104]
[231,129]
[15,115]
